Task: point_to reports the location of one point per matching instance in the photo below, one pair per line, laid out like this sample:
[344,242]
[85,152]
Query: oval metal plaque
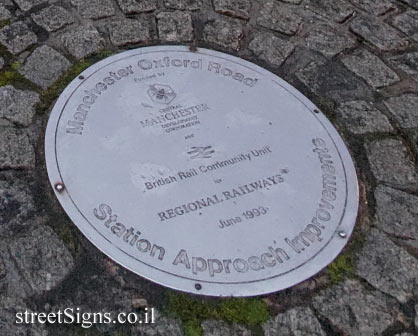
[201,171]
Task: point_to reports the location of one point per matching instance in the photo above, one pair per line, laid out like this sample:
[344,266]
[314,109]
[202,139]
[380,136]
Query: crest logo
[201,152]
[162,94]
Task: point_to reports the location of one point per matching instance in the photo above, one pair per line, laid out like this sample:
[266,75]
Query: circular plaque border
[247,288]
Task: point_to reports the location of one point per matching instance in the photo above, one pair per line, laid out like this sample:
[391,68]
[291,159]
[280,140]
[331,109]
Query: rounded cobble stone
[17,106]
[44,66]
[396,276]
[16,37]
[391,163]
[353,310]
[16,151]
[52,18]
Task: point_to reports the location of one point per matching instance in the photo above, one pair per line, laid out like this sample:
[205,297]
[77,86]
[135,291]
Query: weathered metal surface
[201,171]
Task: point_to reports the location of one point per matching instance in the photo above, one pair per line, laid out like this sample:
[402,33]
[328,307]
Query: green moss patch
[4,23]
[52,93]
[12,77]
[192,311]
[341,268]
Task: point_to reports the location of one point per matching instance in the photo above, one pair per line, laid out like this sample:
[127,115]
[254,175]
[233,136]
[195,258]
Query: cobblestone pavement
[356,59]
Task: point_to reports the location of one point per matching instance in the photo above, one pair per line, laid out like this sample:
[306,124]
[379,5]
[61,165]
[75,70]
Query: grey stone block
[296,321]
[378,33]
[408,23]
[279,17]
[26,5]
[360,117]
[337,11]
[44,66]
[397,214]
[52,18]
[175,26]
[387,267]
[16,151]
[17,106]
[374,7]
[270,48]
[237,8]
[82,41]
[16,37]
[404,109]
[128,31]
[42,258]
[328,40]
[408,63]
[390,163]
[354,310]
[226,33]
[137,6]
[371,68]
[94,9]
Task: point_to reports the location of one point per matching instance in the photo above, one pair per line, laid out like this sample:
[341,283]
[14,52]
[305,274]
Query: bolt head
[59,187]
[342,234]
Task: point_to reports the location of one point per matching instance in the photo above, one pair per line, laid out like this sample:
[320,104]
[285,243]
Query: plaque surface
[201,171]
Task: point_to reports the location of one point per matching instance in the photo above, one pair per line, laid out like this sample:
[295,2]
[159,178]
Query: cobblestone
[183,4]
[16,205]
[374,7]
[137,6]
[360,117]
[16,37]
[82,41]
[371,68]
[4,13]
[41,258]
[329,40]
[166,327]
[408,23]
[44,66]
[94,9]
[220,328]
[175,26]
[17,106]
[337,11]
[226,33]
[296,321]
[404,110]
[110,295]
[397,212]
[408,63]
[355,311]
[16,151]
[26,5]
[52,18]
[396,276]
[237,8]
[327,79]
[416,316]
[9,327]
[412,3]
[390,163]
[270,48]
[378,33]
[279,17]
[128,31]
